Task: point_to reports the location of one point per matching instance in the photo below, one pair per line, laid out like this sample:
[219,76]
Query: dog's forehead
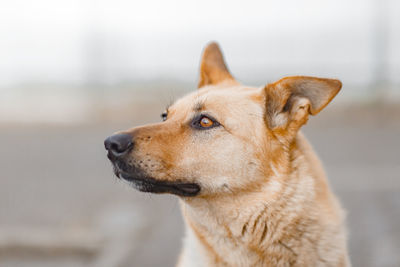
[230,99]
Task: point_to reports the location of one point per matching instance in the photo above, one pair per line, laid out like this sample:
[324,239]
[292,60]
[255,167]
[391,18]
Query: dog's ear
[213,69]
[290,100]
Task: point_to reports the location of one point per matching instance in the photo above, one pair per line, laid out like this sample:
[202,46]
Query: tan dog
[253,192]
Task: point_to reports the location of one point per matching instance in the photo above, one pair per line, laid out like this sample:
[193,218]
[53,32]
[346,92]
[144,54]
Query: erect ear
[290,100]
[213,69]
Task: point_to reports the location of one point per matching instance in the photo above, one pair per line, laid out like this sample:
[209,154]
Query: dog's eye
[206,122]
[203,122]
[164,116]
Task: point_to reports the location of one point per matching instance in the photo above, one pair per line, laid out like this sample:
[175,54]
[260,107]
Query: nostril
[119,144]
[115,147]
[120,148]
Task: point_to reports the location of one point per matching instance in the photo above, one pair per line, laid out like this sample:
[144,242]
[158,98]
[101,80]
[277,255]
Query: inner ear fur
[213,69]
[290,100]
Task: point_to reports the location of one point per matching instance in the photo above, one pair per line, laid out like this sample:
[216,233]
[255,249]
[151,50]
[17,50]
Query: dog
[252,191]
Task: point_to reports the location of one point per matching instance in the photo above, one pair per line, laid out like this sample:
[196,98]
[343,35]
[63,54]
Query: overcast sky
[81,41]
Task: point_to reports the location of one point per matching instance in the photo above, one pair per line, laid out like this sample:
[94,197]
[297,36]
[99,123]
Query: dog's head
[223,138]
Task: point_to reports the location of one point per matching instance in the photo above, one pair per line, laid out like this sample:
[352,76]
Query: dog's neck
[253,226]
[229,226]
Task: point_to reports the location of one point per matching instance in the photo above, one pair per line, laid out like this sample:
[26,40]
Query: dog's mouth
[144,183]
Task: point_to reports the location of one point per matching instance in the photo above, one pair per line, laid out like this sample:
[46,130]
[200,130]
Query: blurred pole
[94,54]
[94,46]
[380,47]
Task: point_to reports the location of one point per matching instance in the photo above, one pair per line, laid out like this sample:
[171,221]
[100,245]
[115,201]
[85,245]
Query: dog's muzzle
[119,146]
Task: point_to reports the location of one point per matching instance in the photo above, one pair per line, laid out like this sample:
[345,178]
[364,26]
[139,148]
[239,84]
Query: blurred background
[73,72]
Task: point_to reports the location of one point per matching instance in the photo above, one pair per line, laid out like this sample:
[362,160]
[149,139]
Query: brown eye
[206,122]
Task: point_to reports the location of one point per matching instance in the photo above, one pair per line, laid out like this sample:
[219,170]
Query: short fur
[264,198]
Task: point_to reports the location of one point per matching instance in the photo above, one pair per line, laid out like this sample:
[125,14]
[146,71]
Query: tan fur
[264,198]
[213,69]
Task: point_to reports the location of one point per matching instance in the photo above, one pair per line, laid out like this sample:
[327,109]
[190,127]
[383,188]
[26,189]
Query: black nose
[119,144]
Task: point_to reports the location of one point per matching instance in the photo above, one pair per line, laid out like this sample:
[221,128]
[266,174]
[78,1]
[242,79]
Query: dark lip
[141,181]
[151,185]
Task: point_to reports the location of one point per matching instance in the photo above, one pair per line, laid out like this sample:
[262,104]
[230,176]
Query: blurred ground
[60,204]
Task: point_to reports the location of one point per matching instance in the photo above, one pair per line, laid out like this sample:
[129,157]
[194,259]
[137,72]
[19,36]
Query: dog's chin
[144,183]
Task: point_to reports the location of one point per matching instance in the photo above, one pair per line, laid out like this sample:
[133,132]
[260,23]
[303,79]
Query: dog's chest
[215,249]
